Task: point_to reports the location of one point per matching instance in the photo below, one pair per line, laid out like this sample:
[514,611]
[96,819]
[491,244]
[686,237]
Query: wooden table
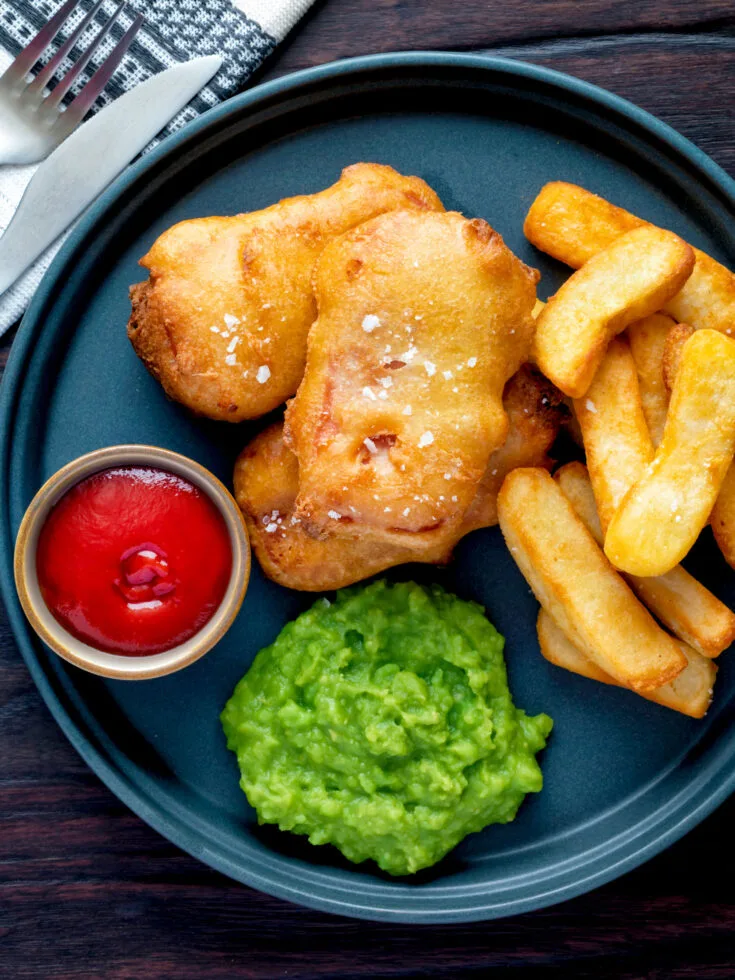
[88,890]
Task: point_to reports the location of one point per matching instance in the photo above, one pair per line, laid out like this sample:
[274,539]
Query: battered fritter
[222,320]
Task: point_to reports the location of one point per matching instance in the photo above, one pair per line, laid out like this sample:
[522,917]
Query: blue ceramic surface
[624,777]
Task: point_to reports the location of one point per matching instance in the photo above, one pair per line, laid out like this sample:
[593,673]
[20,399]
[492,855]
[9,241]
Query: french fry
[647,339]
[572,224]
[681,603]
[690,693]
[660,517]
[625,282]
[537,308]
[616,438]
[675,340]
[722,518]
[575,583]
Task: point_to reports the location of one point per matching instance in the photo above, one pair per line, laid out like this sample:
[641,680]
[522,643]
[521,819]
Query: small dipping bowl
[78,652]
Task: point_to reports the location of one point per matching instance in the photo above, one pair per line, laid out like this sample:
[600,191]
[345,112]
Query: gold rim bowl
[81,654]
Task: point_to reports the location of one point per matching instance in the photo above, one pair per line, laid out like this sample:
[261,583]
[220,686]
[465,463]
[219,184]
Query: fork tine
[35,48]
[47,72]
[78,67]
[77,109]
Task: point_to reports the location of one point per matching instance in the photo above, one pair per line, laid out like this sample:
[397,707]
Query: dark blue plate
[624,777]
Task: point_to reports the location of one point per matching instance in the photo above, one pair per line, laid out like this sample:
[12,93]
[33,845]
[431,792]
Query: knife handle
[20,246]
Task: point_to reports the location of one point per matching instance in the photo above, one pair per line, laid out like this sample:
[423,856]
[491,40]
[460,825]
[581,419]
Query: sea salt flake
[233,344]
[471,362]
[263,373]
[590,406]
[407,410]
[426,439]
[447,476]
[367,392]
[214,329]
[406,511]
[447,375]
[230,320]
[383,395]
[270,528]
[386,382]
[231,359]
[334,514]
[370,446]
[370,322]
[430,368]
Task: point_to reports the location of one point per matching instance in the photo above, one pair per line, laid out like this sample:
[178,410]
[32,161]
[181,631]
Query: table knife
[87,161]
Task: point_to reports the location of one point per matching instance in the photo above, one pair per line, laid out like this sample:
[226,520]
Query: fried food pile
[222,319]
[653,399]
[430,386]
[267,485]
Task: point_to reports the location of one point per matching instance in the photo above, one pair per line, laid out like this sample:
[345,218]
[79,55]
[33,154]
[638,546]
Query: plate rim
[167,823]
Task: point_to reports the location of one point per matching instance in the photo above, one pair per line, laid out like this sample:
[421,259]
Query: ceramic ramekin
[110,664]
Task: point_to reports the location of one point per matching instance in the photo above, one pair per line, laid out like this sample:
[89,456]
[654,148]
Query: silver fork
[33,123]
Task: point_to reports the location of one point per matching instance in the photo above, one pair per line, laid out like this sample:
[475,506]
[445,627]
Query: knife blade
[78,170]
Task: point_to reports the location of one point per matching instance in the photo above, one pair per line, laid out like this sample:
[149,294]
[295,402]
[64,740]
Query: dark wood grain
[87,890]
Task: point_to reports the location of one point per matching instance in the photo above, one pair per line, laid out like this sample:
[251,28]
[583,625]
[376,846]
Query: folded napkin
[244,32]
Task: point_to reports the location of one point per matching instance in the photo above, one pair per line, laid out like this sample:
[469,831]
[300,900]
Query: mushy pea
[383,724]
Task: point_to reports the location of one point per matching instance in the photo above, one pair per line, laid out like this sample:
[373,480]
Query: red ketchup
[134,560]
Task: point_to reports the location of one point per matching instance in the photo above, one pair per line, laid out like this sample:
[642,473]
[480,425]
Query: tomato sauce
[134,560]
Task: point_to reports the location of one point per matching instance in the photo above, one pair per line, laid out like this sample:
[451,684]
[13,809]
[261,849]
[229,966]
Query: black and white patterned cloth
[243,32]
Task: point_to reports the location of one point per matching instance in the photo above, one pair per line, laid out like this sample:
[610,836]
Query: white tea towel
[244,32]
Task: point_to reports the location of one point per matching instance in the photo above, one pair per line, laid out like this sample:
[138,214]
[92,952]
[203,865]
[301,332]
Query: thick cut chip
[647,344]
[576,584]
[222,320]
[616,439]
[266,483]
[675,340]
[625,282]
[423,317]
[722,518]
[572,224]
[690,693]
[681,603]
[661,516]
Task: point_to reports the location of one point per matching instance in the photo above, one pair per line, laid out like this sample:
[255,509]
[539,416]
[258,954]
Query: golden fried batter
[222,320]
[536,411]
[423,317]
[266,484]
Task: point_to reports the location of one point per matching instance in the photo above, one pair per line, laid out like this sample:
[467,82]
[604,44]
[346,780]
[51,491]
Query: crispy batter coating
[222,320]
[266,484]
[423,317]
[536,411]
